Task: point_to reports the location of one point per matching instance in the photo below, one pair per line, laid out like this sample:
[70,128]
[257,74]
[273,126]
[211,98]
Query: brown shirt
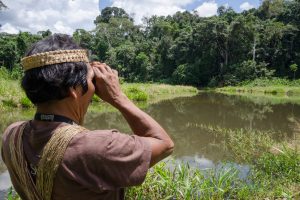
[96,165]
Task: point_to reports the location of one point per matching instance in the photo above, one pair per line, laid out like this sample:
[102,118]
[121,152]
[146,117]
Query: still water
[183,117]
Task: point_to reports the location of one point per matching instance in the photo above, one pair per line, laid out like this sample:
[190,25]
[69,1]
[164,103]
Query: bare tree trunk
[254,49]
[226,53]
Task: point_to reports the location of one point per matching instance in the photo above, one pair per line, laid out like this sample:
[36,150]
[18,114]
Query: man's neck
[59,108]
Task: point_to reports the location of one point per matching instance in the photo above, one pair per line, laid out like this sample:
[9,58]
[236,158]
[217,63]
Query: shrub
[136,94]
[10,103]
[25,102]
[95,98]
[17,72]
[247,70]
[4,73]
[213,82]
[180,74]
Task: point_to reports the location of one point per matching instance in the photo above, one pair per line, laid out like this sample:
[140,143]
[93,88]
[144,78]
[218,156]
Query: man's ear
[74,92]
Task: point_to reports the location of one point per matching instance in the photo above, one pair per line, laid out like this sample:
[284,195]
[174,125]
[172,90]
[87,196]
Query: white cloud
[7,27]
[61,16]
[146,8]
[62,28]
[207,9]
[246,6]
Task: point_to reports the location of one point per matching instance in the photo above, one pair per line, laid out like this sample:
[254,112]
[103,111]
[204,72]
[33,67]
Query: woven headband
[54,57]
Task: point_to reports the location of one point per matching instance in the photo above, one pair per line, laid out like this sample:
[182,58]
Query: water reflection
[181,116]
[5,180]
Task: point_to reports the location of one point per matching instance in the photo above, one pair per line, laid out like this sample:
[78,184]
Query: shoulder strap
[19,164]
[48,165]
[52,156]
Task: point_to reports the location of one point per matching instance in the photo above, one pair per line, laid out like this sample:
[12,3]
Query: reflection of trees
[295,126]
[246,112]
[254,113]
[103,121]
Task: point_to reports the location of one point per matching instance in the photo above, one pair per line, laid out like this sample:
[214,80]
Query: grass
[275,86]
[11,94]
[273,175]
[184,182]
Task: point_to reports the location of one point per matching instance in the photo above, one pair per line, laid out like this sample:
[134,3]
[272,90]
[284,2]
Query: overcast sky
[64,16]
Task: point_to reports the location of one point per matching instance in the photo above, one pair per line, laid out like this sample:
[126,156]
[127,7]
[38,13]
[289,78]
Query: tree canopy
[187,49]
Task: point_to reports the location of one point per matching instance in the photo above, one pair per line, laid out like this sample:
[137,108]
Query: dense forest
[187,49]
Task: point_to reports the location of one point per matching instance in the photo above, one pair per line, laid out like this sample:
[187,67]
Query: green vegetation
[136,94]
[184,48]
[294,69]
[11,94]
[154,92]
[275,172]
[12,195]
[275,86]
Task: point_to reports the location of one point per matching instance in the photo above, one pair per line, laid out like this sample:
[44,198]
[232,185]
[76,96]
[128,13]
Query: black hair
[52,82]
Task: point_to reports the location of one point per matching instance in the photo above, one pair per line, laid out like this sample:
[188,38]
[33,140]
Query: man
[51,156]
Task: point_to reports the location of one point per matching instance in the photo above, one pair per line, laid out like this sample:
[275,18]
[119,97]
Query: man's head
[55,82]
[52,82]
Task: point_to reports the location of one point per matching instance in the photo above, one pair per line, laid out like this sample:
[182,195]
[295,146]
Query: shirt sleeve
[108,160]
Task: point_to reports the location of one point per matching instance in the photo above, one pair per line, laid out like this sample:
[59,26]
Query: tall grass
[187,183]
[272,175]
[274,86]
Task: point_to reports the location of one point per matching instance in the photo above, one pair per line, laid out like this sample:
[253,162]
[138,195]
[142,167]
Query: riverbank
[275,86]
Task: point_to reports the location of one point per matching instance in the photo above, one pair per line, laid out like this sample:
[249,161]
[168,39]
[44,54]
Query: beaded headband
[54,57]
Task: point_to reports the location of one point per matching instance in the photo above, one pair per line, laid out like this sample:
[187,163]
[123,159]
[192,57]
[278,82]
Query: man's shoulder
[10,128]
[89,140]
[98,143]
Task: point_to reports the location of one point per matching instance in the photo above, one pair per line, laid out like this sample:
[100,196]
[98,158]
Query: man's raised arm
[108,89]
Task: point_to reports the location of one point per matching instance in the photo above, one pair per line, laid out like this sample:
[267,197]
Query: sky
[65,16]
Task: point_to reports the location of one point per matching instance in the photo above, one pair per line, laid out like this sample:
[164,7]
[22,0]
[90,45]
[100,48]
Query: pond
[182,118]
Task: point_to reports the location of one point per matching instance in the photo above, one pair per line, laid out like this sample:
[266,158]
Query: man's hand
[107,85]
